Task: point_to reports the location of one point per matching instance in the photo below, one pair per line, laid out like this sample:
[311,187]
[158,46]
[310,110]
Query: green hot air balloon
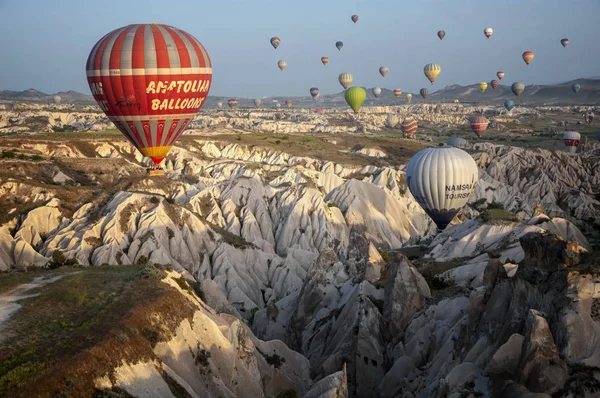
[355,97]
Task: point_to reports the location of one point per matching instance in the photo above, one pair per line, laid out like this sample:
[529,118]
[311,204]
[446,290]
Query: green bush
[498,216]
[58,260]
[8,155]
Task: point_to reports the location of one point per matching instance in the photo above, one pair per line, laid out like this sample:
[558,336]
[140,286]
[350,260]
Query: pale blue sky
[44,44]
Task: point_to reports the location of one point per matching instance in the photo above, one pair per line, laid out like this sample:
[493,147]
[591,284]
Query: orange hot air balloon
[325,60]
[397,93]
[150,80]
[494,83]
[528,57]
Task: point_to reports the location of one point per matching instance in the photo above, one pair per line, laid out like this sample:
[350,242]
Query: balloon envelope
[494,84]
[345,79]
[441,34]
[391,121]
[528,57]
[275,41]
[424,92]
[325,60]
[458,142]
[355,97]
[588,117]
[257,102]
[500,75]
[483,86]
[408,98]
[488,32]
[564,42]
[575,88]
[509,104]
[339,45]
[282,64]
[572,141]
[432,71]
[314,92]
[376,92]
[409,128]
[397,92]
[57,99]
[219,105]
[354,18]
[150,80]
[479,124]
[384,71]
[289,103]
[441,179]
[232,103]
[517,88]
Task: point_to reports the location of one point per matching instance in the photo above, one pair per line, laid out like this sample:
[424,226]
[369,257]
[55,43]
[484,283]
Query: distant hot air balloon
[384,71]
[575,88]
[483,86]
[232,103]
[441,34]
[528,57]
[376,92]
[408,98]
[148,90]
[275,41]
[219,105]
[288,103]
[57,99]
[458,142]
[509,104]
[494,83]
[479,124]
[355,97]
[517,88]
[397,92]
[339,45]
[500,75]
[432,71]
[282,64]
[564,42]
[314,92]
[424,92]
[572,141]
[588,117]
[391,121]
[278,105]
[488,32]
[456,101]
[325,60]
[257,102]
[354,18]
[345,79]
[409,128]
[441,179]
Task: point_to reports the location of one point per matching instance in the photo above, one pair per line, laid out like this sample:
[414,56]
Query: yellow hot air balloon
[408,98]
[483,86]
[282,64]
[432,71]
[355,97]
[455,101]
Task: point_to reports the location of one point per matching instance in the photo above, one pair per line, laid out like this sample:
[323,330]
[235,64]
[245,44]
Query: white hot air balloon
[572,139]
[458,142]
[376,92]
[282,64]
[441,179]
[219,105]
[257,102]
[392,121]
[57,99]
[345,79]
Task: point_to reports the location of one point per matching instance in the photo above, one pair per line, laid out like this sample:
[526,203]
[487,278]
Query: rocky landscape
[316,272]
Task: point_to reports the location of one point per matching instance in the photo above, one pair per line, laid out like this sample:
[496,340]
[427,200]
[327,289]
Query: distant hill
[552,94]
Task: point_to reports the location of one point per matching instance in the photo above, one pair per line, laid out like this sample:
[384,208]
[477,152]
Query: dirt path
[8,300]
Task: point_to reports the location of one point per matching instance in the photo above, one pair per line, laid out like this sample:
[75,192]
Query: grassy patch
[81,327]
[498,217]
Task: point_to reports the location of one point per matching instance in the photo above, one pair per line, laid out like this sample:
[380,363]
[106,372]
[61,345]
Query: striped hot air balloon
[488,32]
[483,86]
[288,103]
[424,92]
[572,141]
[354,18]
[441,34]
[282,64]
[232,103]
[314,92]
[441,179]
[339,45]
[345,79]
[275,41]
[409,128]
[479,124]
[495,84]
[432,71]
[500,75]
[564,42]
[257,102]
[376,92]
[384,71]
[325,60]
[397,92]
[528,57]
[150,80]
[517,88]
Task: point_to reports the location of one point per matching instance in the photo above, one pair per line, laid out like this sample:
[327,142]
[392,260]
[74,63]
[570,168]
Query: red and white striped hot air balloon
[528,57]
[572,140]
[479,124]
[500,75]
[150,80]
